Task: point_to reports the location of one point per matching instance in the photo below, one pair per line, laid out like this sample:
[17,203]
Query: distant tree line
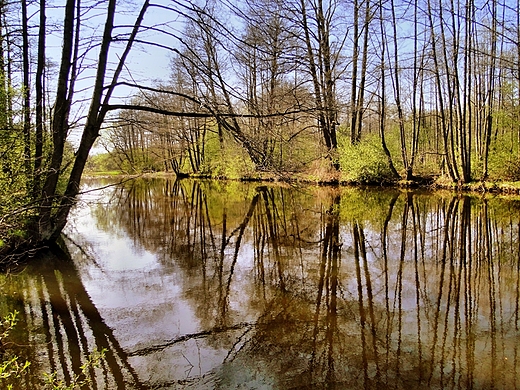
[361,90]
[427,87]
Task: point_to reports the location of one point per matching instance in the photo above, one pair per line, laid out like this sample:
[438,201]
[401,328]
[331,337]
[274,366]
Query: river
[229,285]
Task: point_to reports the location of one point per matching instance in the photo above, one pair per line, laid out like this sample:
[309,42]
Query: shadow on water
[205,285]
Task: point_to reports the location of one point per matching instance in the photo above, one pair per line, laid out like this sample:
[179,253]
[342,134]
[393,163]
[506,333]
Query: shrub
[11,368]
[78,381]
[365,162]
[230,161]
[504,165]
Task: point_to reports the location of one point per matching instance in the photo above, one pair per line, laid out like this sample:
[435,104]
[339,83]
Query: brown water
[203,285]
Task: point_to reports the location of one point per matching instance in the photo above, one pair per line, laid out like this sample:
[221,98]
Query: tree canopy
[346,90]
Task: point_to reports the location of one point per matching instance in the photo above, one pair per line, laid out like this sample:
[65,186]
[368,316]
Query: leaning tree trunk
[97,112]
[40,66]
[59,126]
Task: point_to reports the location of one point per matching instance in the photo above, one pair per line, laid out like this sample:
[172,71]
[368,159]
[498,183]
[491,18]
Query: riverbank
[16,244]
[419,182]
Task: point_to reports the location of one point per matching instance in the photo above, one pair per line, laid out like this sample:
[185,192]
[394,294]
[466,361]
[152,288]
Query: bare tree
[321,66]
[358,92]
[383,98]
[51,222]
[40,102]
[26,91]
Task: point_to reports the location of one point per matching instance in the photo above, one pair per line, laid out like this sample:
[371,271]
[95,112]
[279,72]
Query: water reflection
[63,325]
[197,284]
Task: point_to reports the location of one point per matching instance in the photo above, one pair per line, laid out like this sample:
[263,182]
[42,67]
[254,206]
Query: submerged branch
[191,336]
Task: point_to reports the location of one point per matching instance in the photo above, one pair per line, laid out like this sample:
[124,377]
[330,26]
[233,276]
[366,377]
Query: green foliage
[299,152]
[504,161]
[8,323]
[103,162]
[79,380]
[11,367]
[13,179]
[134,162]
[365,162]
[229,160]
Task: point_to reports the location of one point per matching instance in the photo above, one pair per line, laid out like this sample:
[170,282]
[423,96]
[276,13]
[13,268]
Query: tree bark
[397,95]
[354,136]
[97,112]
[40,102]
[26,94]
[382,111]
[488,127]
[320,69]
[60,125]
[364,62]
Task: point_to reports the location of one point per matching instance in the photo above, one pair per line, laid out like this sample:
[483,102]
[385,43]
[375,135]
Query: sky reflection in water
[212,285]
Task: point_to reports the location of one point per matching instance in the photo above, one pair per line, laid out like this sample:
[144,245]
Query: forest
[332,91]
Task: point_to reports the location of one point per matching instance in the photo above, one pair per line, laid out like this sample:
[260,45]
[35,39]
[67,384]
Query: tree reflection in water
[275,287]
[63,326]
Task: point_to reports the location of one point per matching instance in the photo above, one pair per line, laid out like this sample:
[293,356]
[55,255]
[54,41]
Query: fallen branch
[191,336]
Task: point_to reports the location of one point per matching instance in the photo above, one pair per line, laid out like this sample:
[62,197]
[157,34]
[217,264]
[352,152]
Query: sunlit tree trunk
[357,94]
[443,105]
[26,95]
[354,137]
[382,100]
[40,102]
[320,68]
[490,95]
[416,90]
[59,123]
[466,109]
[364,62]
[397,95]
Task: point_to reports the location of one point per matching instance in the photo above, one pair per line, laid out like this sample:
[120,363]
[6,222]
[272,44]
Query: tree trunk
[26,94]
[364,61]
[59,125]
[397,94]
[382,111]
[354,137]
[40,103]
[488,127]
[321,73]
[97,113]
[445,123]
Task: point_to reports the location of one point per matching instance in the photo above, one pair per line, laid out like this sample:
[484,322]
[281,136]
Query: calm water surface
[203,285]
